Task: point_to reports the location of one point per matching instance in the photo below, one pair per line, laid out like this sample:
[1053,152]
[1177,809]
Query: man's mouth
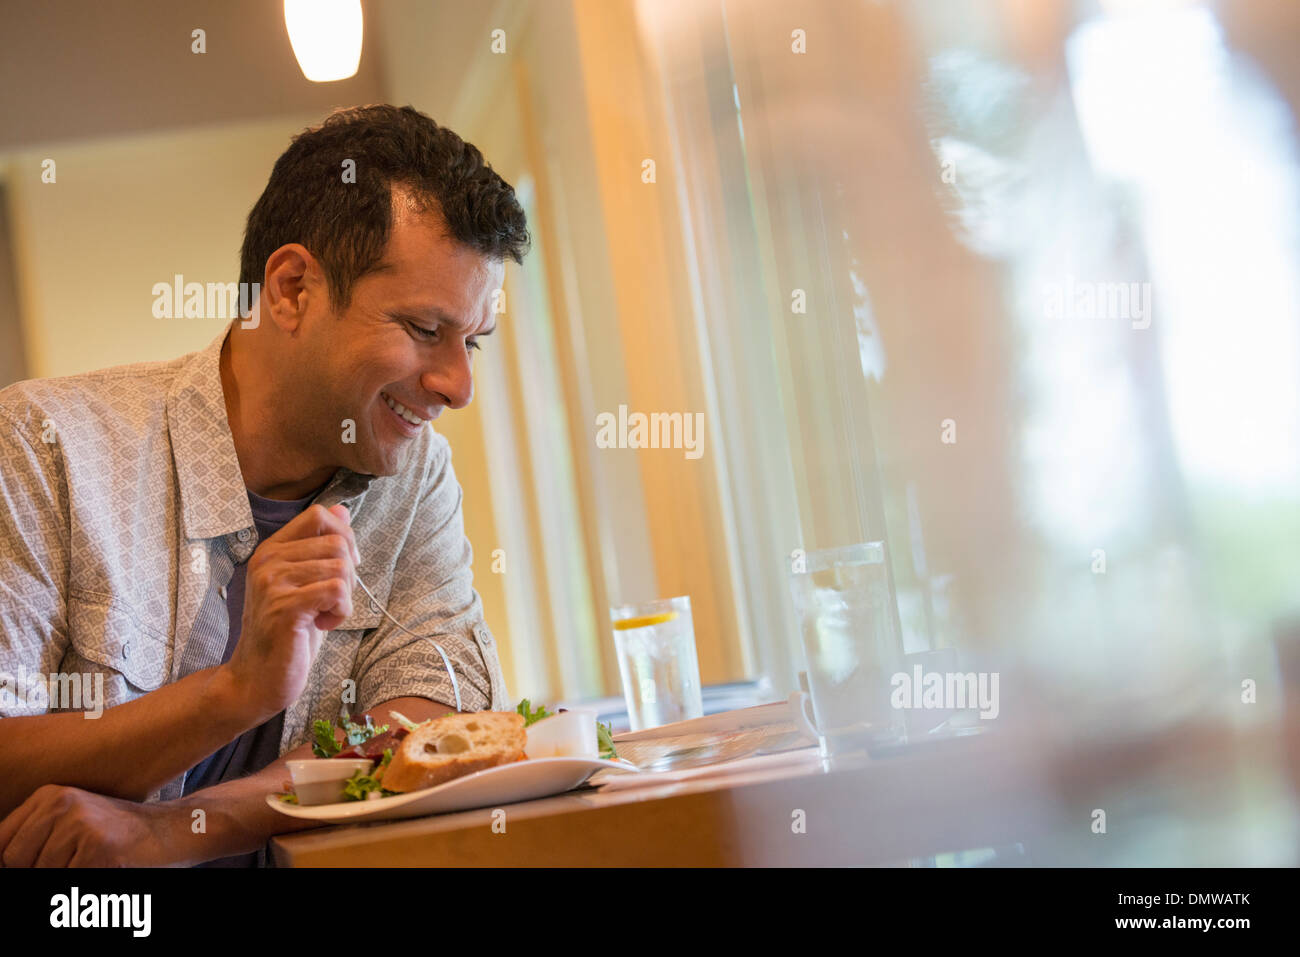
[402,411]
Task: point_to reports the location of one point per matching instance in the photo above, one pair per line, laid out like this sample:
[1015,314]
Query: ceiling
[82,69]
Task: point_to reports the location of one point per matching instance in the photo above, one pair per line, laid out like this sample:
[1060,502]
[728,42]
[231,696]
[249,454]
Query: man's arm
[128,751]
[239,821]
[61,826]
[298,586]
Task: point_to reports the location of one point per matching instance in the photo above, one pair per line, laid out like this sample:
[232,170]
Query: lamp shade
[326,37]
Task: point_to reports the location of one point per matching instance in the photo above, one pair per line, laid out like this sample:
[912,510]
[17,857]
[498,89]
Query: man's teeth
[401,410]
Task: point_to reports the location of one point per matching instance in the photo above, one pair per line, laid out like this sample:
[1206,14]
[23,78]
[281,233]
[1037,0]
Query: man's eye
[424,333]
[471,344]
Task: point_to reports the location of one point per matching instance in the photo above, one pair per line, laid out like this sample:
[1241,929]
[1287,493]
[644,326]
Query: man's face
[403,349]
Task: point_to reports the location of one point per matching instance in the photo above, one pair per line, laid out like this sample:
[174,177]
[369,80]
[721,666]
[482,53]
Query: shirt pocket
[336,663]
[487,647]
[345,641]
[340,652]
[368,612]
[107,633]
[362,619]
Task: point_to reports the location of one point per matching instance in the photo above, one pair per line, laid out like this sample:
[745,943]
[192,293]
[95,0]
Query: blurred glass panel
[1016,289]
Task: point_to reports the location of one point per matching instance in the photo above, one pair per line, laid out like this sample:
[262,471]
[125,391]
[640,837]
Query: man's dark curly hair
[346,226]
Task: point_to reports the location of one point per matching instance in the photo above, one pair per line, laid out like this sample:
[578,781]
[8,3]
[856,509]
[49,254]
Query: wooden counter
[787,810]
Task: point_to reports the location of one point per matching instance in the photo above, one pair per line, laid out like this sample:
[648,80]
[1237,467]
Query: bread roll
[453,746]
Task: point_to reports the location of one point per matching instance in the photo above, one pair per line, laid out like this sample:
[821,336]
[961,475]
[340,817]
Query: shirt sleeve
[33,564]
[433,596]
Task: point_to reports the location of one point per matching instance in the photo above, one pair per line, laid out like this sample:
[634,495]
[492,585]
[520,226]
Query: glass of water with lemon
[656,658]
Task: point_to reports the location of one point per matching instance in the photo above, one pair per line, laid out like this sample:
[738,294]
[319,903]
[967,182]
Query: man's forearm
[128,751]
[234,818]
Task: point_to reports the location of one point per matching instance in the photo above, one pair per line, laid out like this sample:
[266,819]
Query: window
[1018,298]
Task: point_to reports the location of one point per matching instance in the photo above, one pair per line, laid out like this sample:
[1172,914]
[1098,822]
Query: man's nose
[453,379]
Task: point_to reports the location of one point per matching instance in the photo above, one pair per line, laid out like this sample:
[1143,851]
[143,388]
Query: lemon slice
[644,621]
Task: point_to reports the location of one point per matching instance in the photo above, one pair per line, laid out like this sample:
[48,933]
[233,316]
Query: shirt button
[243,535]
[126,651]
[374,605]
[222,592]
[486,637]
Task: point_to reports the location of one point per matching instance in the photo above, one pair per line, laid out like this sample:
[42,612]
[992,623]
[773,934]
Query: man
[185,538]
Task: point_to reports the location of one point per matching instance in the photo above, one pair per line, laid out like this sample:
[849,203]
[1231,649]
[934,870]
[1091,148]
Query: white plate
[504,784]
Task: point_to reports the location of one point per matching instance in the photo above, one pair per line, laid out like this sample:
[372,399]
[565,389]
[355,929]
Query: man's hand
[298,585]
[62,826]
[68,827]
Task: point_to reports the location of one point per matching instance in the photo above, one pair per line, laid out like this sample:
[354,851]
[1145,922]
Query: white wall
[124,214]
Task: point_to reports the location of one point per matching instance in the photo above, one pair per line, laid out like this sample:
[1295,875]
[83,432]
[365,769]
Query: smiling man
[192,534]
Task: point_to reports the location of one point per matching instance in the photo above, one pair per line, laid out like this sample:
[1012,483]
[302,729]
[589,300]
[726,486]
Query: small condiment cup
[321,780]
[571,734]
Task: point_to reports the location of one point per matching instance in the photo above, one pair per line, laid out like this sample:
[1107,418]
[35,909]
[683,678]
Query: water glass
[842,600]
[657,661]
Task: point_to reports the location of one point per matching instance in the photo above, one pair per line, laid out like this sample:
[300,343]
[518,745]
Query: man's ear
[293,280]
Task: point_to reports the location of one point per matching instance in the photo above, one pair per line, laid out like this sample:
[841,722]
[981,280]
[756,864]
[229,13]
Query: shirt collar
[214,501]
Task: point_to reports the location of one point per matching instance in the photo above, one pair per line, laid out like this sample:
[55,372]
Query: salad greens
[605,738]
[361,785]
[531,716]
[325,745]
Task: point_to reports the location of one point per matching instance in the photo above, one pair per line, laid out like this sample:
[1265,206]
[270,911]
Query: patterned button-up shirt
[122,505]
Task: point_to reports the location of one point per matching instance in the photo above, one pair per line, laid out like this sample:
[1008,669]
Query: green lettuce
[531,716]
[605,739]
[325,745]
[361,785]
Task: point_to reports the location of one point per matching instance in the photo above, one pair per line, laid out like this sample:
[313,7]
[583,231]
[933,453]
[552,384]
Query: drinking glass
[657,661]
[842,600]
